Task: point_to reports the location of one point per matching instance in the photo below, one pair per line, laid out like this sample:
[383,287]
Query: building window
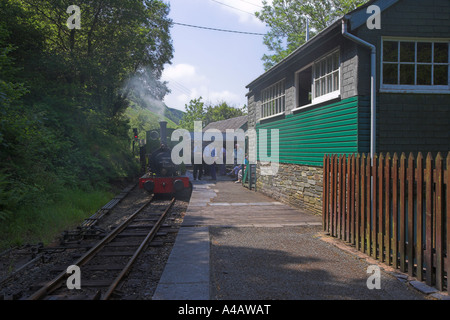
[326,80]
[273,100]
[415,65]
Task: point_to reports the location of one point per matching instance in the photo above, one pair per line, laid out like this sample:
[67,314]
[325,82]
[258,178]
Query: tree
[288,20]
[63,92]
[117,39]
[197,111]
[221,111]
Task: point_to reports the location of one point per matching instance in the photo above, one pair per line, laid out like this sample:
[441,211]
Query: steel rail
[144,243]
[53,284]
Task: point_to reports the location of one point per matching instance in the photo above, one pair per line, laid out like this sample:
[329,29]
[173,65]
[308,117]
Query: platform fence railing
[395,209]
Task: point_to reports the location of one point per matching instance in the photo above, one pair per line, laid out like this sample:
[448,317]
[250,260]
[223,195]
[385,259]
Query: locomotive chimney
[163,132]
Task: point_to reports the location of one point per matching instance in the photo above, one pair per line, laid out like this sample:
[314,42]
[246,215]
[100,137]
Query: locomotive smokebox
[163,132]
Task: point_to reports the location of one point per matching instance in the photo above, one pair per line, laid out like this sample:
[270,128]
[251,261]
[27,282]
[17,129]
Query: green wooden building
[354,88]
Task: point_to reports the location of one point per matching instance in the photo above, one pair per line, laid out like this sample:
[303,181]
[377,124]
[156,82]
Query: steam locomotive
[164,176]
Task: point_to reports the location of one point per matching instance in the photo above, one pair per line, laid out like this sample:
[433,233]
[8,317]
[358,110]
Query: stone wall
[297,185]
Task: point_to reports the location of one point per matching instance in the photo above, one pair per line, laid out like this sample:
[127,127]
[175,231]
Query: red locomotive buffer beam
[164,185]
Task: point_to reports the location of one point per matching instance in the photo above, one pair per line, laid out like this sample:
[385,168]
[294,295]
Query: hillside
[174,114]
[147,118]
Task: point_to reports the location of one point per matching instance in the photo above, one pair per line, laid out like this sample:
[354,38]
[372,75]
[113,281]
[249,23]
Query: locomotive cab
[164,176]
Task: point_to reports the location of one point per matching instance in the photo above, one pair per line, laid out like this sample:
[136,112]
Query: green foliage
[222,111]
[194,112]
[44,223]
[197,111]
[64,93]
[288,20]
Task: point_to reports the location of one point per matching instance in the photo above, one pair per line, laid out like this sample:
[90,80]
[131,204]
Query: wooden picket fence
[395,209]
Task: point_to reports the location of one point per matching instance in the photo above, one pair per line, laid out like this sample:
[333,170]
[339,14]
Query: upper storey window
[415,65]
[273,100]
[326,84]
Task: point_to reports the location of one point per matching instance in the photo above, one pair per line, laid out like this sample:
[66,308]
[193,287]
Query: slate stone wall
[297,185]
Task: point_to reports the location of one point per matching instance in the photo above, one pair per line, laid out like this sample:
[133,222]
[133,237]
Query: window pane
[390,73]
[407,74]
[323,67]
[329,83]
[390,51]
[424,75]
[441,52]
[336,61]
[424,52]
[336,81]
[440,75]
[329,64]
[407,51]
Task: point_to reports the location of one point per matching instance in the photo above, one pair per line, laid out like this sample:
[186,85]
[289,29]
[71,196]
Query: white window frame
[336,93]
[401,88]
[273,100]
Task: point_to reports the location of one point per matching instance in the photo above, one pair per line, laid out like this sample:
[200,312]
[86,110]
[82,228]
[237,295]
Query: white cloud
[186,83]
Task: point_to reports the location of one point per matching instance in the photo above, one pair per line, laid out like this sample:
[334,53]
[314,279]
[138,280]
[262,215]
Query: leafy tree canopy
[196,110]
[287,20]
[63,92]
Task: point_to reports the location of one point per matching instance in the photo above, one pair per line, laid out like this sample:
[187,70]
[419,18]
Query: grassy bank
[43,223]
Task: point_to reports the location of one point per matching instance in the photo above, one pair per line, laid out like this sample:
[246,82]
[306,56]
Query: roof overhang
[356,18]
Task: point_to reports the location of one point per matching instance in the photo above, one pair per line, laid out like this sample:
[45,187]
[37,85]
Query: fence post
[387,197]
[325,194]
[339,198]
[400,205]
[380,208]
[348,203]
[395,211]
[439,223]
[448,221]
[368,203]
[429,220]
[419,218]
[353,192]
[374,206]
[410,244]
[363,203]
[402,223]
[357,201]
[333,189]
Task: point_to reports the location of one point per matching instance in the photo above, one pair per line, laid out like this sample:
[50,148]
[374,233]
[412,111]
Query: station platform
[239,244]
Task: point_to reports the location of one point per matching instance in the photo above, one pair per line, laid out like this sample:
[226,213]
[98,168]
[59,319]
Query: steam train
[164,176]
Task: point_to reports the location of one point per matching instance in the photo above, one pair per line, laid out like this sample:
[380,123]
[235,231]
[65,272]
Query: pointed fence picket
[395,209]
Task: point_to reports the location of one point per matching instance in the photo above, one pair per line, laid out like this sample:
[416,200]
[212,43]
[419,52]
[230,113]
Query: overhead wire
[178,86]
[216,29]
[227,5]
[253,4]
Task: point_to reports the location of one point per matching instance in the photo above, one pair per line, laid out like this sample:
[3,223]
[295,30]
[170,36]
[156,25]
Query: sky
[216,66]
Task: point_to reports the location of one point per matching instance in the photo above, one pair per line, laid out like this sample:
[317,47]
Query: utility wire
[222,30]
[253,4]
[226,5]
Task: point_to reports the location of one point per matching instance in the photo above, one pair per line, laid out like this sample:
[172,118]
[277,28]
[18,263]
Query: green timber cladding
[409,117]
[306,136]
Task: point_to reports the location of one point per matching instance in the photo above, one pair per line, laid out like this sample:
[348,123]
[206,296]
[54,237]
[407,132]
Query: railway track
[106,264]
